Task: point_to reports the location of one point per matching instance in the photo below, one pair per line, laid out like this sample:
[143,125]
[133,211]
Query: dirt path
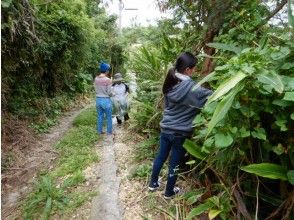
[106,204]
[18,182]
[130,190]
[119,196]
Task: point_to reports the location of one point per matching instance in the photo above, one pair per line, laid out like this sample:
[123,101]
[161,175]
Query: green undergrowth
[146,149]
[153,203]
[88,118]
[55,190]
[142,170]
[45,115]
[143,156]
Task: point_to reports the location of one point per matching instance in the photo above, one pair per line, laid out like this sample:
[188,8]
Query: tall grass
[151,65]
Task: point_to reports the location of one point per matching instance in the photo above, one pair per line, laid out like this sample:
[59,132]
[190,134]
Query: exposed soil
[130,191]
[92,176]
[17,180]
[122,197]
[137,202]
[106,204]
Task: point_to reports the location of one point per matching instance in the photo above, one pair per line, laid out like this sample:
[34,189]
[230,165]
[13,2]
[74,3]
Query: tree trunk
[48,79]
[208,64]
[215,22]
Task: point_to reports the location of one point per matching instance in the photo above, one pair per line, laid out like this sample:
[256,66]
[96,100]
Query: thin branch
[241,205]
[277,9]
[276,212]
[257,198]
[272,14]
[290,205]
[190,15]
[164,211]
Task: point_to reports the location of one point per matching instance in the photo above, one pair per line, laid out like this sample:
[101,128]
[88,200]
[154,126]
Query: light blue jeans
[104,107]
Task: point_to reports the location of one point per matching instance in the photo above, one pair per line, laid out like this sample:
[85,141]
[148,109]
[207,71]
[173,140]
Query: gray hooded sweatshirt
[182,104]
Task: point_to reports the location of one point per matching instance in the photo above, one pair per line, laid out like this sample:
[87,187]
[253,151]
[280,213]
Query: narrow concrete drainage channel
[105,206]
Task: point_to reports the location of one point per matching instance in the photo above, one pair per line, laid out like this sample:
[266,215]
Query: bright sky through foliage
[147,11]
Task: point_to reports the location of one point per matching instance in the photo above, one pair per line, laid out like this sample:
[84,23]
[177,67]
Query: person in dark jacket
[182,104]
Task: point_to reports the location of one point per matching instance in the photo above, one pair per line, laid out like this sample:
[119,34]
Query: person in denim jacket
[181,104]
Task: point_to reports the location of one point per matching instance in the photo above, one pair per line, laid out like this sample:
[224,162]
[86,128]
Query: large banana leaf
[228,47]
[205,79]
[272,80]
[200,209]
[213,213]
[194,150]
[226,86]
[268,170]
[290,175]
[289,96]
[222,108]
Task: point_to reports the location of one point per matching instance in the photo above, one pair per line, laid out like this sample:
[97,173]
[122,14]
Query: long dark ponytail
[184,61]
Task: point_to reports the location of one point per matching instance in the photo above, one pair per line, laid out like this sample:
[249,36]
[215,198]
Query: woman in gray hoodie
[182,104]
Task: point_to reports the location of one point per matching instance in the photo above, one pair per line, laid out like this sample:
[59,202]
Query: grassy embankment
[55,190]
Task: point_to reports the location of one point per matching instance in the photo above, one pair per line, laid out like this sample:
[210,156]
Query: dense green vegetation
[242,153]
[242,150]
[50,53]
[55,190]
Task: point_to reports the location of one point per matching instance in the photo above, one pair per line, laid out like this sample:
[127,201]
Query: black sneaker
[176,191]
[126,117]
[118,120]
[153,186]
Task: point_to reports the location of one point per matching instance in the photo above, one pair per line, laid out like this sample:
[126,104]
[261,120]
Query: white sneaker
[153,186]
[176,191]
